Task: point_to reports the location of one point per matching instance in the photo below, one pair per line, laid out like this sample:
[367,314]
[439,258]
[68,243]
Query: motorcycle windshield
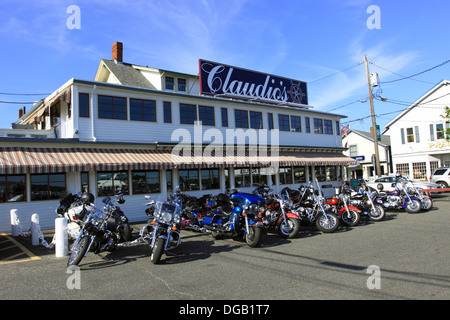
[245,199]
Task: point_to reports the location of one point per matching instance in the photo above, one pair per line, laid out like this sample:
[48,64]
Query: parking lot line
[24,251]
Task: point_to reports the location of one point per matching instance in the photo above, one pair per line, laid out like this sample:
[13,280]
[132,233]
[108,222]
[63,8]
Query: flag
[345,130]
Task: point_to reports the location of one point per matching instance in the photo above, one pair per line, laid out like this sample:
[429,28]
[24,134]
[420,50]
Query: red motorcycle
[349,215]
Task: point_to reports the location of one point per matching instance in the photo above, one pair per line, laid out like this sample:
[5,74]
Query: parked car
[387,182]
[441,176]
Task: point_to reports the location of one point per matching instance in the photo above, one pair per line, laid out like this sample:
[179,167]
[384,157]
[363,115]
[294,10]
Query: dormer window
[181,84]
[170,83]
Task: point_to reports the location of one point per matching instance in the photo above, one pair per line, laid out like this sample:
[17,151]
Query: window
[143,110]
[12,188]
[112,107]
[409,134]
[256,120]
[439,131]
[145,182]
[419,170]
[188,113]
[181,84]
[318,126]
[241,118]
[210,179]
[285,175]
[83,104]
[109,183]
[85,182]
[167,112]
[328,126]
[258,176]
[170,83]
[47,186]
[283,122]
[338,132]
[331,173]
[296,125]
[270,118]
[403,169]
[189,180]
[169,181]
[320,173]
[206,115]
[353,150]
[299,174]
[224,112]
[307,125]
[242,177]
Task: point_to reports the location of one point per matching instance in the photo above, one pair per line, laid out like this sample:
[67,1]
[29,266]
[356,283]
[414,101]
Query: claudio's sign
[220,79]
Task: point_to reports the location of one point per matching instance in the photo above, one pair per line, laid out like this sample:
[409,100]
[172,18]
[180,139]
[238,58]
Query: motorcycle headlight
[166,217]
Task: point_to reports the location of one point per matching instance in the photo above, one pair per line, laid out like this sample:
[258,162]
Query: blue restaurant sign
[222,80]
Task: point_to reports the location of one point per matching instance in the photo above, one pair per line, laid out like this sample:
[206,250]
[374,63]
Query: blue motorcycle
[239,216]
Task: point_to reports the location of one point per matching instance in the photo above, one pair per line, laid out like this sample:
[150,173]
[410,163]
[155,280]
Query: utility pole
[374,124]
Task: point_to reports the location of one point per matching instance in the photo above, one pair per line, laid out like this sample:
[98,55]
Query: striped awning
[20,160]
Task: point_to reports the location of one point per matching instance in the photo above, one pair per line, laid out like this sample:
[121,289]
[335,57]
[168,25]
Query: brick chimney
[117,51]
[22,111]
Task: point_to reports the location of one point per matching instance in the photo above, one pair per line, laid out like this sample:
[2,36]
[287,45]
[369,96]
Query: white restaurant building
[119,131]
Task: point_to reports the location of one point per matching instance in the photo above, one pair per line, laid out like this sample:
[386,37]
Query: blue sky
[307,40]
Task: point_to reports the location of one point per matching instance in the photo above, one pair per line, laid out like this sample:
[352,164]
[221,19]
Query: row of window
[53,186]
[110,107]
[412,134]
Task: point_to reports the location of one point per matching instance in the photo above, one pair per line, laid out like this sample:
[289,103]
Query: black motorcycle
[101,230]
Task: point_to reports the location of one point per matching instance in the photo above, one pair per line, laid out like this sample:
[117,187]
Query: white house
[144,130]
[418,141]
[361,148]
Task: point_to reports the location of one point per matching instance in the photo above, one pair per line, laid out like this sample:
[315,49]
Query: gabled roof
[420,100]
[125,74]
[385,139]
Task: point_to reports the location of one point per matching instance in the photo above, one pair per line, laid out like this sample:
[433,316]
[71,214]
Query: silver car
[387,182]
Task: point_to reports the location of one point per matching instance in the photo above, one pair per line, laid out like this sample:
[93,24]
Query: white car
[387,182]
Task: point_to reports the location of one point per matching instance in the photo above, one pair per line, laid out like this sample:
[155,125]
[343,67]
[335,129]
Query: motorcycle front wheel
[377,213]
[351,218]
[253,236]
[327,225]
[289,228]
[427,203]
[413,206]
[157,251]
[78,251]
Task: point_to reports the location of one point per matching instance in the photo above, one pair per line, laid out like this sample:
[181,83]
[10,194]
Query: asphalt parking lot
[403,257]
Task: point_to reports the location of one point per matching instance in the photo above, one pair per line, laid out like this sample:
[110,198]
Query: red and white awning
[21,160]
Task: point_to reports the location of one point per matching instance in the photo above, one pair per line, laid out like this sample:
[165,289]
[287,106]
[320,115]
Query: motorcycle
[278,215]
[102,230]
[425,201]
[162,231]
[364,199]
[340,205]
[241,218]
[398,198]
[312,209]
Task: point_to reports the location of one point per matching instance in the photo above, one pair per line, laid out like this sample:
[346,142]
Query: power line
[335,73]
[14,102]
[419,73]
[24,94]
[399,74]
